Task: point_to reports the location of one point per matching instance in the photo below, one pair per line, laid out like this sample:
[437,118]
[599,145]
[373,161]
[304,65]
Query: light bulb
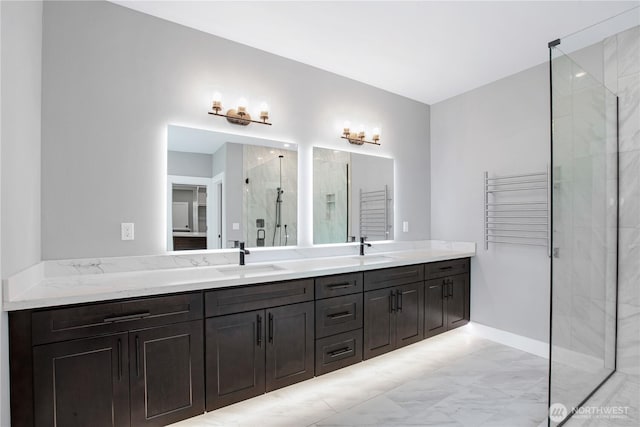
[242,106]
[264,107]
[217,101]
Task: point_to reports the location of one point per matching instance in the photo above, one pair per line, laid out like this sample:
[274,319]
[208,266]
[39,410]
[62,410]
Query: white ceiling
[425,50]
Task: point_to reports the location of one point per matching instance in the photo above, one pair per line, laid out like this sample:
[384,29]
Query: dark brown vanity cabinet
[393,315]
[252,352]
[339,316]
[134,373]
[446,296]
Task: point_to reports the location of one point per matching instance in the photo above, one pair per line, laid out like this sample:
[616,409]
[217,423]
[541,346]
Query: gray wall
[232,188]
[20,84]
[190,164]
[502,128]
[113,79]
[21,88]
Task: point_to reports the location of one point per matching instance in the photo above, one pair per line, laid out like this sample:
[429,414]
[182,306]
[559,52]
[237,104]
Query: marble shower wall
[622,76]
[265,172]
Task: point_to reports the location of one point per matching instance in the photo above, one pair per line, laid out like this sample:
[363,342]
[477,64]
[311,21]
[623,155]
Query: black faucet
[243,252]
[362,245]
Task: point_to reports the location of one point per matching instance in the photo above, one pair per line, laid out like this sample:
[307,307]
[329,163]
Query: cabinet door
[379,322]
[435,316]
[458,301]
[409,313]
[82,383]
[290,345]
[235,352]
[166,373]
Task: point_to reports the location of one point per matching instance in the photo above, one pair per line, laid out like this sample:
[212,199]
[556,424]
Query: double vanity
[122,344]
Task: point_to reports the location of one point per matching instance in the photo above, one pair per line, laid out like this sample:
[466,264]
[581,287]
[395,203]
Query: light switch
[235,226]
[126,231]
[405,226]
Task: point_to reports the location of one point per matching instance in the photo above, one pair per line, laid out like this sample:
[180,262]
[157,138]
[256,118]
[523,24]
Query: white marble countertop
[54,283]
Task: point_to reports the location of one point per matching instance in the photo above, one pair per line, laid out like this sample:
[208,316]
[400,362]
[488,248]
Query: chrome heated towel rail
[517,209]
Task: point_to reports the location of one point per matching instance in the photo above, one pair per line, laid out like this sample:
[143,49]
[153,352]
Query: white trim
[539,348]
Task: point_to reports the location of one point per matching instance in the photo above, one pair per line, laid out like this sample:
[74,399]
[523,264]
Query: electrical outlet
[235,226]
[126,231]
[405,226]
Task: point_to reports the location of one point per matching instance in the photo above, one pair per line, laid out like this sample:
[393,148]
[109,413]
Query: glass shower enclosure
[585,212]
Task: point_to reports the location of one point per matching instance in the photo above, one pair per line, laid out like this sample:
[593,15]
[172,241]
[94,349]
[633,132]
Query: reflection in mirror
[226,188]
[352,196]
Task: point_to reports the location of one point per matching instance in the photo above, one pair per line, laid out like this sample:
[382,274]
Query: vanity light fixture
[239,116]
[358,138]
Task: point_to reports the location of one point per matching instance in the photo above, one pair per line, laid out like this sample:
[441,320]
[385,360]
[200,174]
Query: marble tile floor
[454,379]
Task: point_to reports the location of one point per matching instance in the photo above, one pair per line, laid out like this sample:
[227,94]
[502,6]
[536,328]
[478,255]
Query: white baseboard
[539,348]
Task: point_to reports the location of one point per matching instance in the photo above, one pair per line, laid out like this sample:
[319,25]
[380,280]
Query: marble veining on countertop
[53,283]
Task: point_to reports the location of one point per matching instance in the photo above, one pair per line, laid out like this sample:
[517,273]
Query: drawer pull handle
[340,315]
[406,273]
[340,285]
[339,352]
[126,317]
[448,267]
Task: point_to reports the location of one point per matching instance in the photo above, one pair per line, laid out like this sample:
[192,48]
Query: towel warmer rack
[374,214]
[517,209]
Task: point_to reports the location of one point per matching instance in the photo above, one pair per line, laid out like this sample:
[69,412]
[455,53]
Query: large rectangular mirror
[352,196]
[225,188]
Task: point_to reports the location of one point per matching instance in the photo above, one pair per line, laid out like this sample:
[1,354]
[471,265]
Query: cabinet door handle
[450,289]
[339,315]
[445,289]
[392,299]
[119,359]
[259,332]
[270,327]
[339,285]
[137,356]
[399,300]
[339,352]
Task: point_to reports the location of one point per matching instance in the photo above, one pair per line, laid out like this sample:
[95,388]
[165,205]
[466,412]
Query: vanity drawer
[256,297]
[104,318]
[339,314]
[340,284]
[385,278]
[338,351]
[450,267]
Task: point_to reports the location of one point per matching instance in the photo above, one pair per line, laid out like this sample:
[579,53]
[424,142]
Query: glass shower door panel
[584,238]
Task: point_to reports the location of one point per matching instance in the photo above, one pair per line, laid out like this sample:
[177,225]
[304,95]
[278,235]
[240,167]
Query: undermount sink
[372,259]
[250,269]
